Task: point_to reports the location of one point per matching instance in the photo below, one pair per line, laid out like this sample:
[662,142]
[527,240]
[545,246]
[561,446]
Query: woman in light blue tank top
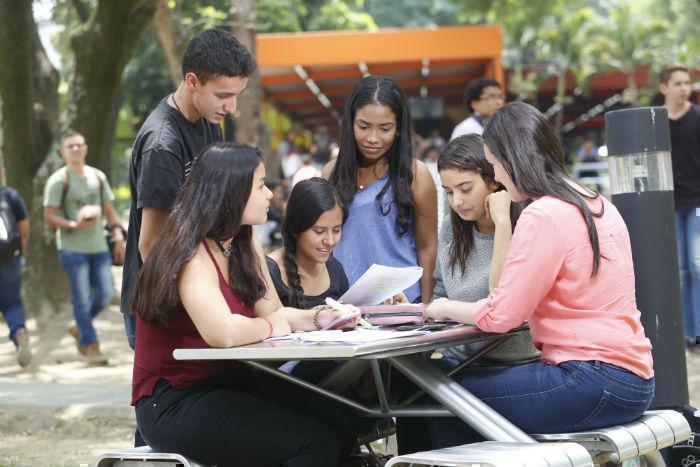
[391,197]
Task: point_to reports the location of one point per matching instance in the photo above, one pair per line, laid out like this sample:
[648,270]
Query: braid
[296,293]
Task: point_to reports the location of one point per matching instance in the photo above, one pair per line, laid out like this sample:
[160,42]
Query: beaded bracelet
[315,320]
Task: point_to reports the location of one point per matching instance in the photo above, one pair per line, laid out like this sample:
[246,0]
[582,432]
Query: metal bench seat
[654,430]
[500,454]
[144,456]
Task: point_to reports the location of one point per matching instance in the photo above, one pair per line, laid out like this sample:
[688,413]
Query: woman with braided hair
[304,270]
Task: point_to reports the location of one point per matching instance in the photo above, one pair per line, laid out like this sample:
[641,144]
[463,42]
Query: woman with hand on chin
[474,241]
[569,274]
[205,284]
[391,197]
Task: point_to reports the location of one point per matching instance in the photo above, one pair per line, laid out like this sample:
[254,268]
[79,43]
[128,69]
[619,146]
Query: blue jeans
[10,295]
[92,287]
[688,238]
[542,398]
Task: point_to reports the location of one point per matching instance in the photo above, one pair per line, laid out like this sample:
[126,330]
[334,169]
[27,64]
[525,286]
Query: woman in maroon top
[205,284]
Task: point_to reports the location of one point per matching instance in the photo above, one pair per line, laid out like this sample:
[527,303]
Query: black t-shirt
[339,283]
[163,152]
[14,199]
[685,153]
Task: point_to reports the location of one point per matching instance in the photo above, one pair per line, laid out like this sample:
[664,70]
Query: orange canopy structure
[309,75]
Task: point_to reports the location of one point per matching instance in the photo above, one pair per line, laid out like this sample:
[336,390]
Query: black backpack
[10,243]
[687,453]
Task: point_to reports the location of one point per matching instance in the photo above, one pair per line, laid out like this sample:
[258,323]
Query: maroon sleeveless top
[155,344]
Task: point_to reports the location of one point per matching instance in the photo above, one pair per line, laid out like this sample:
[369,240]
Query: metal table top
[300,350]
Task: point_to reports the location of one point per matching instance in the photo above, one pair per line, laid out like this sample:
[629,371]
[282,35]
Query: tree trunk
[102,49]
[250,128]
[28,90]
[22,149]
[169,41]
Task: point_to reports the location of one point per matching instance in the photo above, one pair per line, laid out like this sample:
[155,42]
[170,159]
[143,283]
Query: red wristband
[269,324]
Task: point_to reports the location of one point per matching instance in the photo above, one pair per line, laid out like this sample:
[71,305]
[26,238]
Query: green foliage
[273,15]
[623,38]
[146,79]
[413,13]
[683,41]
[335,14]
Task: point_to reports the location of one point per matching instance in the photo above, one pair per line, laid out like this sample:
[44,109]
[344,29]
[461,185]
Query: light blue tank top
[370,237]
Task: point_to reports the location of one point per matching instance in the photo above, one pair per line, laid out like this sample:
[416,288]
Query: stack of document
[356,336]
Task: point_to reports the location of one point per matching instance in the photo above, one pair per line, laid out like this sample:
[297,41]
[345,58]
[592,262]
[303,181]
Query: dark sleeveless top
[338,283]
[155,344]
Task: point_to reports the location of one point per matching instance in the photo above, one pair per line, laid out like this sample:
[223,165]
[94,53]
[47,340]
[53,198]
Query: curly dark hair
[217,52]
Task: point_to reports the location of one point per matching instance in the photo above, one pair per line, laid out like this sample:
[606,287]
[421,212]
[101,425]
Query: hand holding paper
[380,283]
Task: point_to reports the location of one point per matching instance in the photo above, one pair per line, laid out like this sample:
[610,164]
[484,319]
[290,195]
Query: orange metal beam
[437,80]
[280,79]
[291,95]
[318,76]
[383,46]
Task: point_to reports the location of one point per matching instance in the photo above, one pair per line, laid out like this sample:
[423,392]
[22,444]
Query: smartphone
[342,320]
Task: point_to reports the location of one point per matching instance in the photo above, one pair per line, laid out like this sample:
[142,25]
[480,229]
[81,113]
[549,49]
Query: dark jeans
[10,295]
[542,398]
[92,287]
[247,418]
[688,238]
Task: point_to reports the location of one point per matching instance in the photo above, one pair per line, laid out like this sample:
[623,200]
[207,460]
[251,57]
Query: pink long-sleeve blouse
[546,280]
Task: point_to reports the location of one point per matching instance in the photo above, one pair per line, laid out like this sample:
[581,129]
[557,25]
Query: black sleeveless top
[338,283]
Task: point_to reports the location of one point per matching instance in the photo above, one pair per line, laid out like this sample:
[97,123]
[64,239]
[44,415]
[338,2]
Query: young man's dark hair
[668,70]
[217,52]
[476,88]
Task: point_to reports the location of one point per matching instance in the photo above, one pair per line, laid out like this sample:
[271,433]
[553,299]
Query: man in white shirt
[483,97]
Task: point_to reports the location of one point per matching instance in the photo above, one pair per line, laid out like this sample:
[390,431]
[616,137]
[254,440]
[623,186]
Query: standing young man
[483,97]
[684,122]
[77,200]
[215,70]
[14,236]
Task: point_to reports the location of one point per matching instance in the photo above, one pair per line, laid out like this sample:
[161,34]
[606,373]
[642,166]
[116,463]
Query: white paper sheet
[379,283]
[356,336]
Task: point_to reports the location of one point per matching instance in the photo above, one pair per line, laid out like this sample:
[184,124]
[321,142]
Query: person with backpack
[14,236]
[77,200]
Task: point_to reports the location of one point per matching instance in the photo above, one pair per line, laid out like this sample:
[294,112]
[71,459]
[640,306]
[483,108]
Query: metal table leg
[492,425]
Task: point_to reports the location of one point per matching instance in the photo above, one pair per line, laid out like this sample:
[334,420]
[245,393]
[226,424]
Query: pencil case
[393,315]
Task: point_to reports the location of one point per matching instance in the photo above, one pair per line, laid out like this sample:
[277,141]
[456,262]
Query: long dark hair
[385,91]
[307,202]
[466,154]
[209,205]
[527,146]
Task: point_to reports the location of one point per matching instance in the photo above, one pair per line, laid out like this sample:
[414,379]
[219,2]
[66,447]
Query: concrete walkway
[53,395]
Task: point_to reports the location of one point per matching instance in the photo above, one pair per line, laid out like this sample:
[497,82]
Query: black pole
[639,148]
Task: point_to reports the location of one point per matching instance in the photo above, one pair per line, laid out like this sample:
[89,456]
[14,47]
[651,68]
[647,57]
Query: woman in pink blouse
[569,274]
